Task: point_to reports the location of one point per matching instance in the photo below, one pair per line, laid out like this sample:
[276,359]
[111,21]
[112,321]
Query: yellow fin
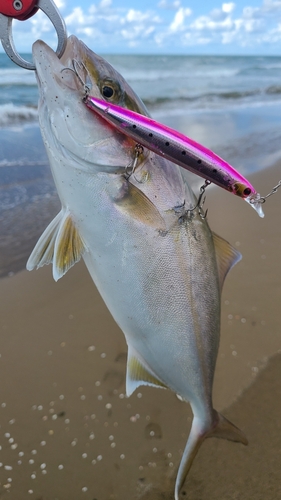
[227,256]
[69,247]
[60,244]
[139,374]
[43,251]
[136,204]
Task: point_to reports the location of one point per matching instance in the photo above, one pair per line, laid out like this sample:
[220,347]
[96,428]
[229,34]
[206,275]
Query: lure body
[177,148]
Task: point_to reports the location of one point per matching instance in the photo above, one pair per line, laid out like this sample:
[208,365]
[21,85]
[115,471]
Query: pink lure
[177,148]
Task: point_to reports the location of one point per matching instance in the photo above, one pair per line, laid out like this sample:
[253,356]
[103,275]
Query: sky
[243,27]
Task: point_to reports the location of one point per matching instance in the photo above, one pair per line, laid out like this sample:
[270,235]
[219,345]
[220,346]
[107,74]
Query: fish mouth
[50,70]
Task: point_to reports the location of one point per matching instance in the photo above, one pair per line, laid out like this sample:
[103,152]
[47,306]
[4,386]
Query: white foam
[13,115]
[17,76]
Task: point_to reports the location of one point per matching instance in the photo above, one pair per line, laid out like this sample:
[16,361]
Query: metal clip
[6,35]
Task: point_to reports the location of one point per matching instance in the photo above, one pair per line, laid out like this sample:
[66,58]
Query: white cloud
[139,17]
[77,16]
[179,19]
[60,4]
[228,7]
[105,3]
[164,4]
[104,25]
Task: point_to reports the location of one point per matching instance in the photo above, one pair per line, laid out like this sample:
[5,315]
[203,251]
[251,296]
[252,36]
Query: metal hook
[87,84]
[138,151]
[201,201]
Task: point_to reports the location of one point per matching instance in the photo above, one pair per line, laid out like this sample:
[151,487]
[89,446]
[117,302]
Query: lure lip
[256,201]
[183,150]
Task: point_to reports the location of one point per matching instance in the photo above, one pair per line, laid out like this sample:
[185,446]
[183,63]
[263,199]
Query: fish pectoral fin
[60,244]
[69,247]
[136,204]
[227,256]
[219,427]
[139,374]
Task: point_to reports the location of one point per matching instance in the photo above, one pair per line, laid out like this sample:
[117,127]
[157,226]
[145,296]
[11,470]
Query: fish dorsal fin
[60,244]
[227,256]
[139,374]
[136,204]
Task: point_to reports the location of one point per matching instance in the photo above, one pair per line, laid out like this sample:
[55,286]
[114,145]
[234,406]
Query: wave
[15,115]
[17,76]
[23,163]
[273,89]
[175,74]
[205,98]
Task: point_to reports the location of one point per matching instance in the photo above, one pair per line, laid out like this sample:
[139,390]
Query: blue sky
[163,26]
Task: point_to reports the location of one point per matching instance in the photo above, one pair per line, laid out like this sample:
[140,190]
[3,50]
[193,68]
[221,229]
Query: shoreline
[63,363]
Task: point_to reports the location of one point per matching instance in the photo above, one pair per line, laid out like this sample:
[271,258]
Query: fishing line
[264,198]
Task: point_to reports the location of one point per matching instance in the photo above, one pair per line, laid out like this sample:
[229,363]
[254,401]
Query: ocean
[230,104]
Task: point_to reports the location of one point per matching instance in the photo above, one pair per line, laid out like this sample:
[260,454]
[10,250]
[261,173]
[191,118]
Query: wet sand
[67,430]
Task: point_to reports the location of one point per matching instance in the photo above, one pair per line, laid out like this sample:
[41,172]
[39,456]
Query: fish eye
[107,91]
[110,89]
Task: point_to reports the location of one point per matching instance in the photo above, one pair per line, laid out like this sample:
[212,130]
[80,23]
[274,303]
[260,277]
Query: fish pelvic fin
[220,428]
[138,206]
[226,255]
[138,373]
[59,244]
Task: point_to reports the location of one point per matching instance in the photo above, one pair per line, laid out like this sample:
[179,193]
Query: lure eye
[247,191]
[107,91]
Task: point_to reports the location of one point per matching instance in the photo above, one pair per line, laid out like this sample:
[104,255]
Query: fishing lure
[177,148]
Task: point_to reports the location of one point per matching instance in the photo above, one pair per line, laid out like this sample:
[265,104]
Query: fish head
[66,123]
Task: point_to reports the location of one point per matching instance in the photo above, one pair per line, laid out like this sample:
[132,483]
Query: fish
[178,148]
[133,218]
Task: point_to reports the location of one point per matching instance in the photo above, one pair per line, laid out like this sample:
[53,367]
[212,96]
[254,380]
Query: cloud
[105,3]
[112,28]
[77,16]
[164,4]
[60,4]
[139,17]
[178,22]
[228,7]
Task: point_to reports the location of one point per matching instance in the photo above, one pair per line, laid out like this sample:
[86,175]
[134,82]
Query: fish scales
[151,254]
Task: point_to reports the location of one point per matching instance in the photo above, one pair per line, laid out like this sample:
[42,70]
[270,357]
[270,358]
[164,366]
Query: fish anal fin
[43,251]
[69,247]
[139,374]
[136,204]
[227,256]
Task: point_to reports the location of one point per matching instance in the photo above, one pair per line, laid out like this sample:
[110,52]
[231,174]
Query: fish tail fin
[220,428]
[225,429]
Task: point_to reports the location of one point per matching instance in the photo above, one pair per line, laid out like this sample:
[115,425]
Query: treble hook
[138,150]
[200,203]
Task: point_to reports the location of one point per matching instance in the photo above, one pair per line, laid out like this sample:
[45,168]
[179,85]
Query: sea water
[230,104]
[216,100]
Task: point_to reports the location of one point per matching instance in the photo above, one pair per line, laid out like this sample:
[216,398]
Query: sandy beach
[67,430]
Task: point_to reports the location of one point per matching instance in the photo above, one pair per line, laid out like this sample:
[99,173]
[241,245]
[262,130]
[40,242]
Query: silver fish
[133,218]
